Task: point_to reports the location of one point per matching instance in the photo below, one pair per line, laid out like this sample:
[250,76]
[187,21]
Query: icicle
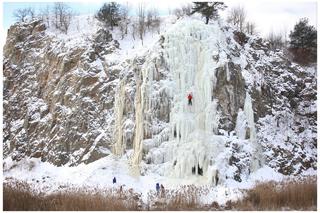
[245,127]
[119,146]
[241,125]
[257,158]
[228,72]
[248,111]
[139,126]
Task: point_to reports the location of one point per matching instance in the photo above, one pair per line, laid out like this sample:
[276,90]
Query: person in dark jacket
[114,180]
[158,188]
[190,99]
[162,191]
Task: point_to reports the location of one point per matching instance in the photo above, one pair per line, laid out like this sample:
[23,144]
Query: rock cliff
[67,103]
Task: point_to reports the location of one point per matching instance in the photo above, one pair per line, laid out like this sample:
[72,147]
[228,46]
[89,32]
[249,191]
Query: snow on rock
[110,106]
[193,146]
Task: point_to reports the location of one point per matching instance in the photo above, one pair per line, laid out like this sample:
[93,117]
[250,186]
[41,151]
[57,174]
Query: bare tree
[183,11]
[141,20]
[149,18]
[62,16]
[44,15]
[275,40]
[66,20]
[55,11]
[124,19]
[237,16]
[21,15]
[285,36]
[31,13]
[250,28]
[153,20]
[156,21]
[133,30]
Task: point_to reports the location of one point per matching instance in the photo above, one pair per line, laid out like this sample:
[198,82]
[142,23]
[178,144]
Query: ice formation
[137,143]
[245,128]
[119,146]
[189,52]
[248,111]
[193,147]
[150,111]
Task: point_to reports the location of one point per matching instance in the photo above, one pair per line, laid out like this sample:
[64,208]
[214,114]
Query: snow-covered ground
[99,174]
[82,27]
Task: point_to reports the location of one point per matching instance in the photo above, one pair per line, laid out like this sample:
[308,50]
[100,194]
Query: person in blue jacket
[158,188]
[114,180]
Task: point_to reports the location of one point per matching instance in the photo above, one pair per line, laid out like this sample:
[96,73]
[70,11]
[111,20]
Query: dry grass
[289,195]
[20,196]
[292,195]
[184,198]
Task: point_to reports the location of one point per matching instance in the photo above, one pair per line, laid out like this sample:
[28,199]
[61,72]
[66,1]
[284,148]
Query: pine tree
[208,9]
[303,42]
[109,14]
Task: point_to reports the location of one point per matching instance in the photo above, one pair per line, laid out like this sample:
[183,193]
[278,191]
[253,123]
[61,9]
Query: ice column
[248,111]
[257,157]
[139,124]
[143,108]
[119,146]
[245,121]
[241,125]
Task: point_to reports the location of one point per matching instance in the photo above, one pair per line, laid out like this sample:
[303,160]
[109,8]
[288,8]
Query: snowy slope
[47,178]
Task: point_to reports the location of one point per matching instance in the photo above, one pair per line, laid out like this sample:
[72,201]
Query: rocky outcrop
[67,103]
[58,101]
[230,91]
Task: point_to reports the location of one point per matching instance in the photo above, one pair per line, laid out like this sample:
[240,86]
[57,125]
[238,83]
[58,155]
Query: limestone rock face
[69,103]
[230,91]
[58,100]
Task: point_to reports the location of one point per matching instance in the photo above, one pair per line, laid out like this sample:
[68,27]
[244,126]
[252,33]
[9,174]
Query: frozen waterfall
[192,53]
[189,53]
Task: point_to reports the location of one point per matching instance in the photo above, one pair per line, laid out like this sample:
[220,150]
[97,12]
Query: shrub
[293,195]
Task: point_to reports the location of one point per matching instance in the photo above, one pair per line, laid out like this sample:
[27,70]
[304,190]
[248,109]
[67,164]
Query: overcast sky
[268,15]
[278,15]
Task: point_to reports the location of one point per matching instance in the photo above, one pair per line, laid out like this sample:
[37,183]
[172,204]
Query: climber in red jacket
[190,99]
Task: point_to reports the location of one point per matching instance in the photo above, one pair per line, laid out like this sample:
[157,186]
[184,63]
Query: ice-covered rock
[68,104]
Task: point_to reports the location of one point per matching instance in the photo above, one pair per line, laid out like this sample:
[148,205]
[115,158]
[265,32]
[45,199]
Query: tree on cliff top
[208,9]
[303,42]
[109,14]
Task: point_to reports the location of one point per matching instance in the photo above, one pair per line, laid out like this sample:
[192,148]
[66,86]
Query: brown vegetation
[185,198]
[290,195]
[20,196]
